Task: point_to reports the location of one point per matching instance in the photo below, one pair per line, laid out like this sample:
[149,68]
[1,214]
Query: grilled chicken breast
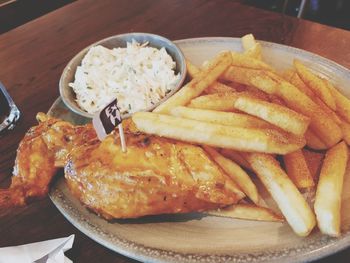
[154,176]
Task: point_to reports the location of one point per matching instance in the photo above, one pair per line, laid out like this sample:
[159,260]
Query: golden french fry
[248,212]
[297,169]
[251,47]
[288,74]
[248,41]
[329,111]
[241,139]
[215,87]
[251,77]
[256,93]
[314,162]
[313,141]
[297,82]
[321,123]
[205,64]
[255,52]
[236,157]
[198,84]
[218,101]
[345,127]
[329,190]
[342,102]
[236,86]
[291,203]
[218,87]
[220,117]
[242,89]
[276,100]
[236,173]
[192,70]
[275,114]
[316,84]
[245,61]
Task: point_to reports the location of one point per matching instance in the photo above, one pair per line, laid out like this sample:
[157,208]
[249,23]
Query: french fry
[291,203]
[241,139]
[220,117]
[345,127]
[314,162]
[329,111]
[297,169]
[321,123]
[235,172]
[255,52]
[236,86]
[236,157]
[342,102]
[192,70]
[316,84]
[248,41]
[218,87]
[313,141]
[242,60]
[217,102]
[288,74]
[275,114]
[251,77]
[256,93]
[198,84]
[276,100]
[205,64]
[251,47]
[297,82]
[329,190]
[248,212]
[215,87]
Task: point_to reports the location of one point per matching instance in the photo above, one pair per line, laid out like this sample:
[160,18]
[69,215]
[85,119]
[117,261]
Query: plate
[198,238]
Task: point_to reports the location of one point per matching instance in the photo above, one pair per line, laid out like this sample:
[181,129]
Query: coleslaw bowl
[68,95]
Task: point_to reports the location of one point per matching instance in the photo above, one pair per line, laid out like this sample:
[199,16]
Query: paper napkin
[50,251]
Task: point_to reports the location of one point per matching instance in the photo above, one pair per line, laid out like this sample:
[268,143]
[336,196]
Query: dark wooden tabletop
[33,56]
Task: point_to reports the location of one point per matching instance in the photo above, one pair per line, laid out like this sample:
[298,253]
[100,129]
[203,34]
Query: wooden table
[33,56]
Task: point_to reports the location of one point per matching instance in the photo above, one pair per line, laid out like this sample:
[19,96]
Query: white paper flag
[106,120]
[50,251]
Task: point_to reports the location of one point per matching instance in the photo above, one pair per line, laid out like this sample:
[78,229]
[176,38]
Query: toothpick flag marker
[106,120]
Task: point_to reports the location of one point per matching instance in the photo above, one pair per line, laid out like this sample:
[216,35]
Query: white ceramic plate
[198,238]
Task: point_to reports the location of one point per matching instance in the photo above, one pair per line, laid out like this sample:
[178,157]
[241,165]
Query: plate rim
[334,245]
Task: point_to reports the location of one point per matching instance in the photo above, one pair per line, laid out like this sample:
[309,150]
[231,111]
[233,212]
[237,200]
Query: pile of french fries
[289,129]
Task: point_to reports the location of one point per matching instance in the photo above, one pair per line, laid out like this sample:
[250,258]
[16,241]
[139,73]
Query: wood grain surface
[33,56]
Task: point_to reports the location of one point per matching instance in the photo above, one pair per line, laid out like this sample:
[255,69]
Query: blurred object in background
[330,12]
[14,13]
[5,2]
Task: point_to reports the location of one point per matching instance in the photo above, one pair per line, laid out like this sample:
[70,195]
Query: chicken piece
[43,149]
[155,176]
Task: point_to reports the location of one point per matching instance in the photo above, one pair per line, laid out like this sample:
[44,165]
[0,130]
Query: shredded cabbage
[138,76]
